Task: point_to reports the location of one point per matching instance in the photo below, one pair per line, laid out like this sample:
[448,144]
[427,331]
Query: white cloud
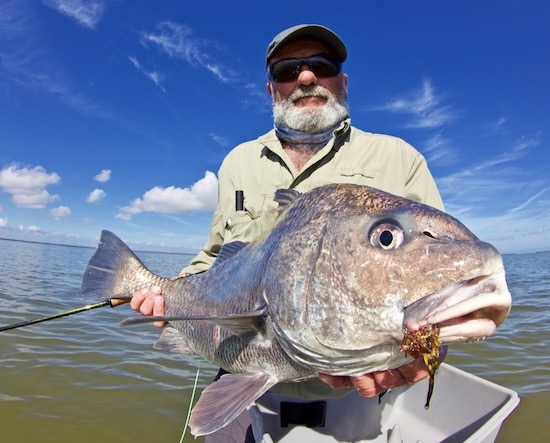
[34,200]
[28,186]
[85,12]
[538,231]
[96,196]
[28,62]
[529,201]
[60,212]
[156,77]
[485,175]
[495,128]
[201,197]
[522,230]
[3,222]
[179,42]
[498,202]
[436,149]
[500,122]
[424,105]
[221,140]
[104,176]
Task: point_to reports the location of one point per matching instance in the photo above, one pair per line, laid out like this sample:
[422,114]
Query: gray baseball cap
[314,31]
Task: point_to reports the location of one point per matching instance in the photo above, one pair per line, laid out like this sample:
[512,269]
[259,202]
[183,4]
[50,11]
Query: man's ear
[269,90]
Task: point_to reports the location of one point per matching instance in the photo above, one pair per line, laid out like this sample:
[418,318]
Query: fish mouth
[464,311]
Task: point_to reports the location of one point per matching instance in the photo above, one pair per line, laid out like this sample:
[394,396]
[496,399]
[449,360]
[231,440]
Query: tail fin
[114,271]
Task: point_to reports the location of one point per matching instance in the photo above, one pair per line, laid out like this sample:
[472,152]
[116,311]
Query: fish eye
[386,236]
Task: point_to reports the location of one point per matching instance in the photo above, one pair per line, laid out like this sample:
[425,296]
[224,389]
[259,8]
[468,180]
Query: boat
[464,408]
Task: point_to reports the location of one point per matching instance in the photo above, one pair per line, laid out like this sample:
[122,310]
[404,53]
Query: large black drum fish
[347,272]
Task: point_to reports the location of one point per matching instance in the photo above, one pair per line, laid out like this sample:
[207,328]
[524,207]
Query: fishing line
[191,401]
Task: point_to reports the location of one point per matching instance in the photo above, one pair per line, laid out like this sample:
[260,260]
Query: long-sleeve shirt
[260,167]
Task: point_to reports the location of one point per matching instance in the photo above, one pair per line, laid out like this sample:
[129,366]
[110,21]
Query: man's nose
[306,76]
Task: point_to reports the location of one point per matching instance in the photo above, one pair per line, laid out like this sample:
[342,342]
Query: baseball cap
[308,30]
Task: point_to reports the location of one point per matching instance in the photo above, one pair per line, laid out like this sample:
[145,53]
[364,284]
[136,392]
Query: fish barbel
[331,288]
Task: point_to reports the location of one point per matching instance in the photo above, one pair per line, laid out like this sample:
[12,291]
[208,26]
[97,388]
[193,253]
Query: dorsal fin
[229,250]
[285,197]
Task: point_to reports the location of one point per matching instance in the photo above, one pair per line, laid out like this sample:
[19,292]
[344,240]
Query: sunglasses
[289,69]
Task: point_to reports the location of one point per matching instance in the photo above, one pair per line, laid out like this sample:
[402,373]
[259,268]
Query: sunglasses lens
[289,69]
[324,67]
[284,70]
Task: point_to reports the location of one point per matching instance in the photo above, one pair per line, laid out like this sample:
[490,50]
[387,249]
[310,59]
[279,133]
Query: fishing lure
[424,342]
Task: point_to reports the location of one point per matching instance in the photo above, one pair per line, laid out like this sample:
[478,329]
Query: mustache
[309,91]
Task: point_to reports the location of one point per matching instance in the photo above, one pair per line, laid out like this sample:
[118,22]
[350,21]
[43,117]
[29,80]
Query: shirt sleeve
[420,184]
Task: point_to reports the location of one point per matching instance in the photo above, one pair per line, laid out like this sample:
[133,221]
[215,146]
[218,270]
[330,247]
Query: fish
[334,287]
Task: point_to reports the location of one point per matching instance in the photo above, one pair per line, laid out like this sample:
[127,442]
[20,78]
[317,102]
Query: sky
[117,114]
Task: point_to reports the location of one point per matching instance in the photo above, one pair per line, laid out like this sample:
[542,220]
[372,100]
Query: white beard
[286,113]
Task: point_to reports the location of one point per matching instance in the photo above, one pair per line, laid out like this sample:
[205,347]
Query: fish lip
[467,310]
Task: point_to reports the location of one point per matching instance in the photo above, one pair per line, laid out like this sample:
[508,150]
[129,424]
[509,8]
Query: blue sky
[117,114]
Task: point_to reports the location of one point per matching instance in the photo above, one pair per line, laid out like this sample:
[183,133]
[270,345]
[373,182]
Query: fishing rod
[112,302]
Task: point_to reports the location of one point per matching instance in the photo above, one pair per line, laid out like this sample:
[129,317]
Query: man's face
[308,103]
[303,48]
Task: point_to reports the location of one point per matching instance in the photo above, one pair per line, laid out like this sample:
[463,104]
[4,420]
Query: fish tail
[114,271]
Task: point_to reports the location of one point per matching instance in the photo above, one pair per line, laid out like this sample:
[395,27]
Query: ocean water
[83,378]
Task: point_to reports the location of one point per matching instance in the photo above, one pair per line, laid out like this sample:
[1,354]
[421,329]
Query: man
[312,144]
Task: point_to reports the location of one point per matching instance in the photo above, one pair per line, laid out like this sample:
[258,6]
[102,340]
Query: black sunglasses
[289,69]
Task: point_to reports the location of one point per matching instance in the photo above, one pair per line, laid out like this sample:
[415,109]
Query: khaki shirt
[260,167]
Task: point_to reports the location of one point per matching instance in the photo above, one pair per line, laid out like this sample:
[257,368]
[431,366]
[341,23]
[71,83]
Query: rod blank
[112,302]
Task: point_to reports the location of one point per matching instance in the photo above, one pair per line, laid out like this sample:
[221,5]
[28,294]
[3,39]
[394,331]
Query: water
[82,378]
[517,355]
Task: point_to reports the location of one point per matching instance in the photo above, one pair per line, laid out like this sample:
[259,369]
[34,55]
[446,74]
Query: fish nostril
[429,234]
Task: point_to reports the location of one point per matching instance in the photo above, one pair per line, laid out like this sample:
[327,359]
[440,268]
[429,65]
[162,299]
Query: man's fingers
[137,299]
[391,378]
[144,301]
[370,385]
[414,371]
[336,382]
[366,385]
[149,301]
[158,310]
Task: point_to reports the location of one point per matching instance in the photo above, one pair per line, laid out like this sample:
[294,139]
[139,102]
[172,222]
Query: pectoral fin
[246,325]
[224,400]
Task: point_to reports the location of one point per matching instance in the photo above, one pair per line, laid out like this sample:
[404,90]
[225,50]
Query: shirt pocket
[357,175]
[244,225]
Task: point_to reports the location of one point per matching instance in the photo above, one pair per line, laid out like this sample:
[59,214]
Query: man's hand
[370,385]
[149,301]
